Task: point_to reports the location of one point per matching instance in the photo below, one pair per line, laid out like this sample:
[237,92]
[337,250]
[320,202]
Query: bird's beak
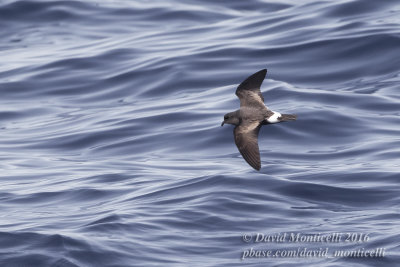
[222,124]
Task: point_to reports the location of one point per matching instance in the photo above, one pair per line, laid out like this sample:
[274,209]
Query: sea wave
[112,151]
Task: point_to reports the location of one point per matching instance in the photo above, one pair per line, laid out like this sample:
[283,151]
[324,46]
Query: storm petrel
[251,116]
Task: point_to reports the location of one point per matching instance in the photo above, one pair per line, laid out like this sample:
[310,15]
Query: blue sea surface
[112,154]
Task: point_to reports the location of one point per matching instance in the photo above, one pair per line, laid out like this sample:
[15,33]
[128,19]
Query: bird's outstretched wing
[246,139]
[249,91]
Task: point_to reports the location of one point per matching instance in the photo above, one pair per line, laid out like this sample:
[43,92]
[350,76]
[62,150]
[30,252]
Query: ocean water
[112,154]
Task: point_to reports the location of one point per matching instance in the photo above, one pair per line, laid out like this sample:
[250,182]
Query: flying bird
[251,115]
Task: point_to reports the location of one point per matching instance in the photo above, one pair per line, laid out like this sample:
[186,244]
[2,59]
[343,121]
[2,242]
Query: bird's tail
[287,117]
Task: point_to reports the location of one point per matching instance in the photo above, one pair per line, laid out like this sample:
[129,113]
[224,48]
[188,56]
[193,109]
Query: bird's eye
[226,117]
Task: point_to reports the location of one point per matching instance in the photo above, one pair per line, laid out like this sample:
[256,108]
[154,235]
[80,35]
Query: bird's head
[231,118]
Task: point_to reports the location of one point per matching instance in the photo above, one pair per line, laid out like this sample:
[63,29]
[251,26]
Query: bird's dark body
[251,116]
[254,114]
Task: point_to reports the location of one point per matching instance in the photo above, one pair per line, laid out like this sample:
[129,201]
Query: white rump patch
[274,117]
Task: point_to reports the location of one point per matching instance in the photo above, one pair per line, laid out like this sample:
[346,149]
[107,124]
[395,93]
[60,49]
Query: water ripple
[112,151]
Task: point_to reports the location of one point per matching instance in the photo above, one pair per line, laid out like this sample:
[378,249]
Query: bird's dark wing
[246,139]
[249,91]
